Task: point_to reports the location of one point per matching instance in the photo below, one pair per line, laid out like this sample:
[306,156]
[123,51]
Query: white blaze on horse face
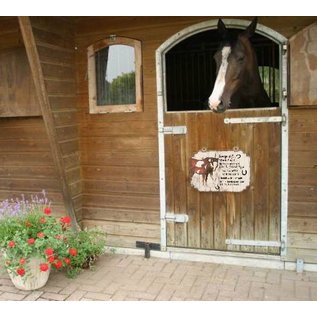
[214,99]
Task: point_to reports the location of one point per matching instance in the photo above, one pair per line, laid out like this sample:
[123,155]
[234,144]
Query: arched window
[187,71]
[114,75]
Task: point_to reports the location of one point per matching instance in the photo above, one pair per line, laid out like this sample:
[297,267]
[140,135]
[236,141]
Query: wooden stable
[103,169]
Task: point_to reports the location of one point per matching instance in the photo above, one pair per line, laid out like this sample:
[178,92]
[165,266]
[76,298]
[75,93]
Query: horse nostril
[221,108]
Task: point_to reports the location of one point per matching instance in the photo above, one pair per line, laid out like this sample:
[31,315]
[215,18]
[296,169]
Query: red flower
[51,259]
[65,220]
[47,211]
[67,261]
[30,241]
[58,264]
[72,251]
[40,235]
[49,251]
[44,267]
[11,244]
[42,220]
[22,261]
[20,271]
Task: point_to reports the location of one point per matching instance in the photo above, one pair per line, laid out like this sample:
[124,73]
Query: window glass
[115,75]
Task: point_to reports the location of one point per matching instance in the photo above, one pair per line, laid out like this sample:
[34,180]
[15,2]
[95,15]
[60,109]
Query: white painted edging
[227,258]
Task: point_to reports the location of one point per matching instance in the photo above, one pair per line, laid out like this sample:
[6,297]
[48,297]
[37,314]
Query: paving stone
[97,296]
[112,288]
[90,288]
[8,288]
[133,278]
[5,281]
[11,296]
[119,295]
[69,289]
[155,288]
[165,294]
[34,295]
[53,296]
[302,292]
[52,289]
[76,295]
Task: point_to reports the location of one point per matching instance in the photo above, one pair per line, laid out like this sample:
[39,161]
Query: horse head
[238,83]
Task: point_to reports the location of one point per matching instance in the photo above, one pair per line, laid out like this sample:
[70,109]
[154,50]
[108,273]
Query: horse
[204,167]
[238,83]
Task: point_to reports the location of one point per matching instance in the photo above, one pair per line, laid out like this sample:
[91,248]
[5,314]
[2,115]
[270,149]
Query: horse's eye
[240,58]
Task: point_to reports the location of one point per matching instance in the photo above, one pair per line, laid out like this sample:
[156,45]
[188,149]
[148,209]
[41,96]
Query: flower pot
[33,279]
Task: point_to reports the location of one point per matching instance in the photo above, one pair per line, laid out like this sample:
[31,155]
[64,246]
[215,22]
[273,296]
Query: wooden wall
[26,164]
[120,151]
[302,221]
[17,94]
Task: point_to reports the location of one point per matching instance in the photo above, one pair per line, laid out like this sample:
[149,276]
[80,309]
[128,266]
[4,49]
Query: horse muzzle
[221,107]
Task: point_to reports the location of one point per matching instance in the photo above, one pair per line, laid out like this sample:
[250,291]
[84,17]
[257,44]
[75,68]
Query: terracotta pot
[34,277]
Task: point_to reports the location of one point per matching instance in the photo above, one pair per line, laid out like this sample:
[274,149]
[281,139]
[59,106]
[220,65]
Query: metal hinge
[173,130]
[176,217]
[284,49]
[284,94]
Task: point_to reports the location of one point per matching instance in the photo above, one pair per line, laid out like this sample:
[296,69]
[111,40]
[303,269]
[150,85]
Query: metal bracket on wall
[147,246]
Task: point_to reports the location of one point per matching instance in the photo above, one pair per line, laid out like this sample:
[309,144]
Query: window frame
[94,108]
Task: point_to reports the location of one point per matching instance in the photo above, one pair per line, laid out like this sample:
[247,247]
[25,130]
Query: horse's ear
[222,29]
[250,30]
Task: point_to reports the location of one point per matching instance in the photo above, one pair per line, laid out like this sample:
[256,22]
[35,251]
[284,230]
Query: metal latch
[182,218]
[173,130]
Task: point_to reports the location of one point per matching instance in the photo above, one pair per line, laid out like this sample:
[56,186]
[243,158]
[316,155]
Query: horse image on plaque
[220,171]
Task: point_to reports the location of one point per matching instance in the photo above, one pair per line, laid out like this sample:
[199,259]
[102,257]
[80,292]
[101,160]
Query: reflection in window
[270,77]
[115,75]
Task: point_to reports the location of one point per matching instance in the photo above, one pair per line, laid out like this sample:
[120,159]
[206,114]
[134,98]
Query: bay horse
[204,167]
[238,83]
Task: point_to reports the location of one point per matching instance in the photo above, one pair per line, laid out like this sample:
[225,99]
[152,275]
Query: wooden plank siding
[54,79]
[10,33]
[26,163]
[302,213]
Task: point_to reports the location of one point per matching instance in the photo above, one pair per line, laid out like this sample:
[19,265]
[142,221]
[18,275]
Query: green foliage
[90,244]
[269,76]
[121,91]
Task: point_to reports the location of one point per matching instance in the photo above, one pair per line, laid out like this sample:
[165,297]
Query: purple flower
[17,206]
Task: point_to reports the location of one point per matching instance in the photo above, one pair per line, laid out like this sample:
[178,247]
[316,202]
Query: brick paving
[134,278]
